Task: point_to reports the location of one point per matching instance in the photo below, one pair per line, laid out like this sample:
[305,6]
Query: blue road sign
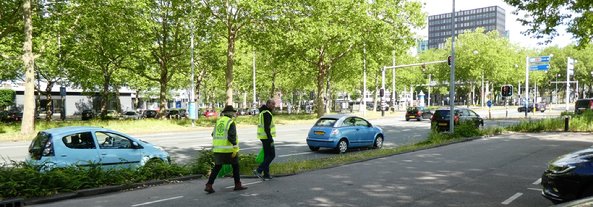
[539,67]
[489,103]
[541,59]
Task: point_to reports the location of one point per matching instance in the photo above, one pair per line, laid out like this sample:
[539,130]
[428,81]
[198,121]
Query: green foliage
[7,98]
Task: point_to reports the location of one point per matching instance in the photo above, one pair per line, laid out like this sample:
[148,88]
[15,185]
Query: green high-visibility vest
[220,142]
[261,133]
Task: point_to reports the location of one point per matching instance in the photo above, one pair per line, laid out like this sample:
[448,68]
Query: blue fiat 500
[343,131]
[83,146]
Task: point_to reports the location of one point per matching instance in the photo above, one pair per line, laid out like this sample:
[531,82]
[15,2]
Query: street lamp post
[452,74]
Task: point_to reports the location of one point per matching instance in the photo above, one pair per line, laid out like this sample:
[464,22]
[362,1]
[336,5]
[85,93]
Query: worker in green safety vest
[266,132]
[225,147]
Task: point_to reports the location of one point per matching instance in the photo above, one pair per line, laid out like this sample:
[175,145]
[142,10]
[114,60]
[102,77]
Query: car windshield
[326,122]
[130,113]
[38,144]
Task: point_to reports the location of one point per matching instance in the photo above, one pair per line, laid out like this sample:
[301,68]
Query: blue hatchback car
[344,131]
[83,146]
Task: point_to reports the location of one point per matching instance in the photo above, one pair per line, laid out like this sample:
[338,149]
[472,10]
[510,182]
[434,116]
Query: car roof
[336,116]
[71,129]
[456,108]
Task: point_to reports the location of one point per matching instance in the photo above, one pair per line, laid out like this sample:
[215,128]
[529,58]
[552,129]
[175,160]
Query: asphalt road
[291,141]
[502,170]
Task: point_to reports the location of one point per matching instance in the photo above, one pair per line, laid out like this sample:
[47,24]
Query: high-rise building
[439,26]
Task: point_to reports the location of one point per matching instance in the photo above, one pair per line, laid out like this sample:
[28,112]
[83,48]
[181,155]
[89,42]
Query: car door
[77,149]
[366,134]
[350,130]
[475,118]
[116,150]
[464,116]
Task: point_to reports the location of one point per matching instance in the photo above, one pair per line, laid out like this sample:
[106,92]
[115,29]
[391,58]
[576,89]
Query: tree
[11,38]
[28,125]
[546,16]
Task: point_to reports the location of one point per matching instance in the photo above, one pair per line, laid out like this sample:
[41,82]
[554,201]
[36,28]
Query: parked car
[88,114]
[569,177]
[253,111]
[242,112]
[209,113]
[440,119]
[149,114]
[130,115]
[172,114]
[83,146]
[539,107]
[342,131]
[11,116]
[418,113]
[583,105]
[183,113]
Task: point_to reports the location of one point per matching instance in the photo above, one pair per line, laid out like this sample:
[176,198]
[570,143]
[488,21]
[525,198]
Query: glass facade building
[439,26]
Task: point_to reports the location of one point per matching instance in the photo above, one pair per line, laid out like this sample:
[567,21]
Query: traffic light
[449,59]
[381,93]
[507,90]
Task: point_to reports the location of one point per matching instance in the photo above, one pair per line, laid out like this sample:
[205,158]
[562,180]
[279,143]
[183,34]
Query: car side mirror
[135,145]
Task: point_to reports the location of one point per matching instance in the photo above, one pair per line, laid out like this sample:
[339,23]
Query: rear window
[441,114]
[583,104]
[412,109]
[326,122]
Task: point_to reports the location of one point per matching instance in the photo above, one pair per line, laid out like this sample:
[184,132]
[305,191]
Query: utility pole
[192,103]
[363,105]
[254,91]
[393,84]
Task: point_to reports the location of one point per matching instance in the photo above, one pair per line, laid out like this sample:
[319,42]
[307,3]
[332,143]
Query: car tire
[378,142]
[342,146]
[153,162]
[407,119]
[419,118]
[314,149]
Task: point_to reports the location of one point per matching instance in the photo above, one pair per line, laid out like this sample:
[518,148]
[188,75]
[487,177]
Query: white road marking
[251,183]
[151,202]
[535,189]
[512,198]
[302,153]
[537,182]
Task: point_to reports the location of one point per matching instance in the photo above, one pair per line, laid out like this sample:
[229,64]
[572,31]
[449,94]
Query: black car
[11,116]
[418,113]
[538,107]
[150,114]
[583,105]
[172,114]
[569,177]
[88,114]
[440,118]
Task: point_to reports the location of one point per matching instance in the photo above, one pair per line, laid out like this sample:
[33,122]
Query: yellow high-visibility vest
[220,142]
[261,133]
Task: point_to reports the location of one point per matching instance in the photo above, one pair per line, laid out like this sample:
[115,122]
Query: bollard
[566,122]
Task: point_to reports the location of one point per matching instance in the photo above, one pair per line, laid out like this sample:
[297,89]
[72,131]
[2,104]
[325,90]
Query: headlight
[335,132]
[560,169]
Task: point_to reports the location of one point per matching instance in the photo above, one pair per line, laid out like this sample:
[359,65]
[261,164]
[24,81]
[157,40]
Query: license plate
[412,117]
[442,124]
[319,132]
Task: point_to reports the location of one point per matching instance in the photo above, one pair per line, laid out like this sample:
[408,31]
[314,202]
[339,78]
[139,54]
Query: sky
[433,7]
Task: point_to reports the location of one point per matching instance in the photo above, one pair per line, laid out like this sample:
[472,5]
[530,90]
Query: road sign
[489,103]
[542,59]
[539,67]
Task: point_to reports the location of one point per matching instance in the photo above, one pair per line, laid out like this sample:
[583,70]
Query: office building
[439,26]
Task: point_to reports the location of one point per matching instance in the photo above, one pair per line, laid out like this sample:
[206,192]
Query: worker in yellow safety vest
[266,133]
[225,147]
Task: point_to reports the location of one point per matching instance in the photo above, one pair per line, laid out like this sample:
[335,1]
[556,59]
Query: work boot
[238,186]
[209,188]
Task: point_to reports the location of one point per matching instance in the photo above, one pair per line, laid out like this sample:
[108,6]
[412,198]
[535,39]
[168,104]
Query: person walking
[266,132]
[225,146]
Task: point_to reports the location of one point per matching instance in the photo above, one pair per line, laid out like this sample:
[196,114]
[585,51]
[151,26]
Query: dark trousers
[269,155]
[217,168]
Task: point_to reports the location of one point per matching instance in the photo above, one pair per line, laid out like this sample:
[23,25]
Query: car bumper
[322,143]
[561,188]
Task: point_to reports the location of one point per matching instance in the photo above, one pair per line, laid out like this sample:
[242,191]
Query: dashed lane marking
[157,201]
[535,189]
[537,182]
[511,199]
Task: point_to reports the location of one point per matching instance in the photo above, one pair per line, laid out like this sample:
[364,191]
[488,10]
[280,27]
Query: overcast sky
[433,7]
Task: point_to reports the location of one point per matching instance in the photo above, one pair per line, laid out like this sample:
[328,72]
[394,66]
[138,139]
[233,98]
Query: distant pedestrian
[225,146]
[266,132]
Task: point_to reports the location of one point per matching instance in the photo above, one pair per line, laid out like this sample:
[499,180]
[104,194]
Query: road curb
[103,190]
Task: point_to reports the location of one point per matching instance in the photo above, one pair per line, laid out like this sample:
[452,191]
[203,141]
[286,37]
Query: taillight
[335,132]
[456,118]
[48,149]
[418,113]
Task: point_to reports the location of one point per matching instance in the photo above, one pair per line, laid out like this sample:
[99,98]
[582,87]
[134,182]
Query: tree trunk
[28,122]
[328,92]
[105,94]
[163,93]
[229,67]
[49,106]
[117,100]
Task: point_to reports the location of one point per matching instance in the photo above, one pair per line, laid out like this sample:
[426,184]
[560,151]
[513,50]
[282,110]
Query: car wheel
[153,162]
[378,142]
[314,149]
[342,146]
[407,119]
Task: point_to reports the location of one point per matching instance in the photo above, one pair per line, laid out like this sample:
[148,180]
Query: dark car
[583,105]
[149,114]
[418,113]
[88,114]
[569,177]
[172,114]
[440,118]
[11,116]
[538,107]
